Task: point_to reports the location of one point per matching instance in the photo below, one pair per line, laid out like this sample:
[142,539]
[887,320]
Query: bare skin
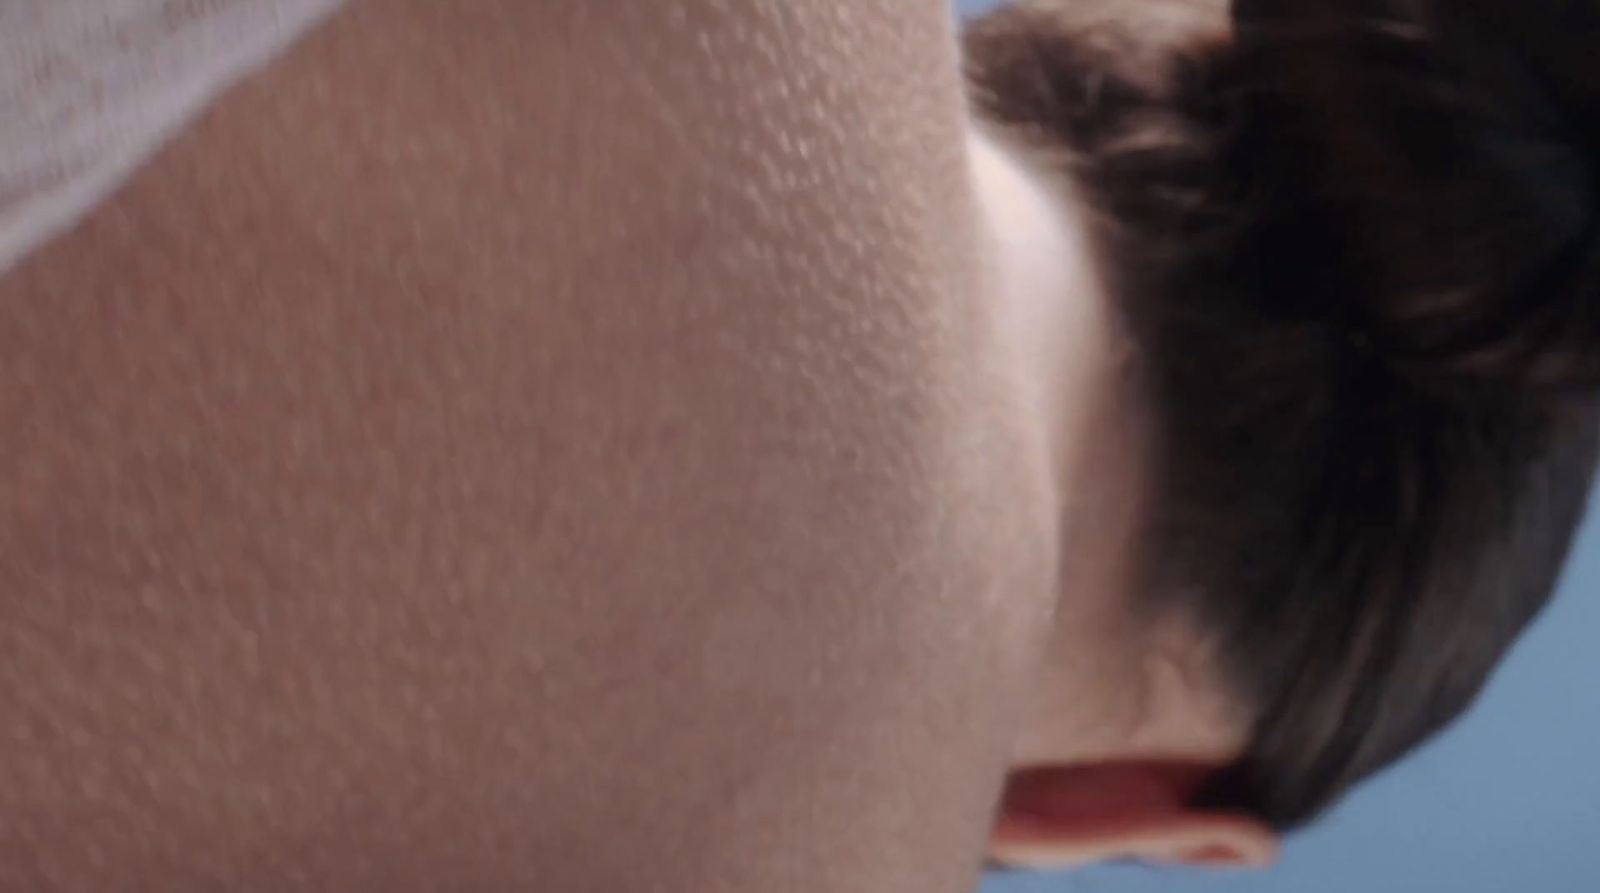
[509,445]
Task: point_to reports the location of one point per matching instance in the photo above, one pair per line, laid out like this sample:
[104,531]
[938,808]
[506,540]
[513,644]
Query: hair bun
[1445,154]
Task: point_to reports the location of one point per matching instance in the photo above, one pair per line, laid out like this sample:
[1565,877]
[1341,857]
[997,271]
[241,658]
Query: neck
[1057,327]
[1050,302]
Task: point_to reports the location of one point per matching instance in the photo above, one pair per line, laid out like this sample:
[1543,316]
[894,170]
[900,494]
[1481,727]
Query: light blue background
[1507,802]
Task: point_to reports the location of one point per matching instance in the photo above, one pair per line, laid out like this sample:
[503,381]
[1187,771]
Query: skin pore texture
[526,446]
[572,446]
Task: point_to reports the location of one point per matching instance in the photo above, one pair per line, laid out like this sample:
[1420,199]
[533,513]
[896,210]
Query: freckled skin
[549,446]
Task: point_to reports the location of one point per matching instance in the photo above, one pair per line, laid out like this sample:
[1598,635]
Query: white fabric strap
[90,89]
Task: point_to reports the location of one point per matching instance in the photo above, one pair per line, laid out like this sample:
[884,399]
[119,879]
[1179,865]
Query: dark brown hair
[1357,246]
